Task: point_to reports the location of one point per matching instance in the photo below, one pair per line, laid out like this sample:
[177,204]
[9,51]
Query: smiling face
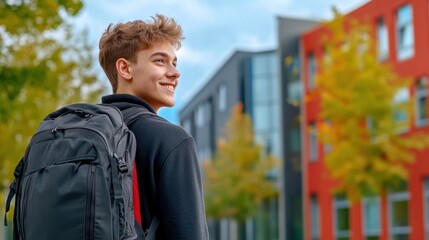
[153,77]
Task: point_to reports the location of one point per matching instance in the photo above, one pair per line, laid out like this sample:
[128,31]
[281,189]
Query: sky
[213,30]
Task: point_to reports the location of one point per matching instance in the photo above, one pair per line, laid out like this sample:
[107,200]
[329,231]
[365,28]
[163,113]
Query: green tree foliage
[19,17]
[44,65]
[369,151]
[236,178]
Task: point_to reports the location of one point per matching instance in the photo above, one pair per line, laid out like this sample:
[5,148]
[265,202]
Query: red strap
[136,197]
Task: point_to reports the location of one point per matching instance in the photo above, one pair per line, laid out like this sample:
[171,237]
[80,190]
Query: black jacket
[168,174]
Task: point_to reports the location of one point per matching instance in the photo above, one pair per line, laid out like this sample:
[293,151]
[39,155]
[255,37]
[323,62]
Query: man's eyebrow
[163,54]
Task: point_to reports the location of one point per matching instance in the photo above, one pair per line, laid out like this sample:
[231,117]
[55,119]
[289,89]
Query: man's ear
[123,68]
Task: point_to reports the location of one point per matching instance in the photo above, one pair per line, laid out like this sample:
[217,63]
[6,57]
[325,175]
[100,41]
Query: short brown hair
[124,40]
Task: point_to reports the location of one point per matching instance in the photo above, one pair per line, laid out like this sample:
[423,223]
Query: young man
[139,59]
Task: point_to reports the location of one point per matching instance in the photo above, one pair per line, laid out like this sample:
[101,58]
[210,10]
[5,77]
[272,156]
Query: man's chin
[169,105]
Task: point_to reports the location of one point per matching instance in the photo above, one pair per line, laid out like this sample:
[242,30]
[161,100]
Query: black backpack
[75,179]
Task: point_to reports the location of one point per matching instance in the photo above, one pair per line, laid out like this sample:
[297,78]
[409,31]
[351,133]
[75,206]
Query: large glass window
[382,40]
[399,215]
[311,71]
[264,104]
[404,32]
[342,218]
[263,91]
[315,218]
[264,109]
[266,220]
[371,214]
[313,142]
[421,102]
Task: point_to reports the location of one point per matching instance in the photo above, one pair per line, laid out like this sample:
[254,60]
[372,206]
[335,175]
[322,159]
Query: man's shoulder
[161,126]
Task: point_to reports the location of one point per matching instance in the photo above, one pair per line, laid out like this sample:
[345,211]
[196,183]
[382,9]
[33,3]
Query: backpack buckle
[122,165]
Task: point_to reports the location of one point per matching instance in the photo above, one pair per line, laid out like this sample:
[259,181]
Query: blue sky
[213,29]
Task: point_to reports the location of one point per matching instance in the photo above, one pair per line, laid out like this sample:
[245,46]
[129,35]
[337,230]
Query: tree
[22,17]
[369,151]
[236,178]
[45,65]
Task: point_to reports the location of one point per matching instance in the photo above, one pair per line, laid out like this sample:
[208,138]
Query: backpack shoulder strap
[13,188]
[133,113]
[130,116]
[152,228]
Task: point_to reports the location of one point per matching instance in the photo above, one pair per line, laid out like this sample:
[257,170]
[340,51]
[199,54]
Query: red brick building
[401,30]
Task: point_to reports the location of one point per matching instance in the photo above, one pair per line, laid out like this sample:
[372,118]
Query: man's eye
[159,60]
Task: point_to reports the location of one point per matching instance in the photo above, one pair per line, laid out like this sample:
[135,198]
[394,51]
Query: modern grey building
[252,79]
[205,114]
[269,86]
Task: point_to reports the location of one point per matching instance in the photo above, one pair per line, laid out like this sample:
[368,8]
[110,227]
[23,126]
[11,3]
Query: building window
[313,142]
[426,196]
[315,218]
[342,218]
[399,215]
[371,214]
[293,80]
[421,102]
[311,71]
[404,32]
[400,113]
[200,116]
[382,40]
[222,98]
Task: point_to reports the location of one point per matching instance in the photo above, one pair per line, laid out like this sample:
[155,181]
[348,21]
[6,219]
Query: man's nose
[173,72]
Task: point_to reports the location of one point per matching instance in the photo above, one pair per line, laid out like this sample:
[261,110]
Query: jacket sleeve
[180,194]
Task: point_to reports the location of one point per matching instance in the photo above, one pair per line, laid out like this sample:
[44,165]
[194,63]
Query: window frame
[398,101]
[404,52]
[396,197]
[222,98]
[311,70]
[382,39]
[200,115]
[315,230]
[312,145]
[341,203]
[371,233]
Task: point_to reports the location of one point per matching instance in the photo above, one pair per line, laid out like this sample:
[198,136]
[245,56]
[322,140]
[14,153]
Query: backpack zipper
[90,204]
[55,130]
